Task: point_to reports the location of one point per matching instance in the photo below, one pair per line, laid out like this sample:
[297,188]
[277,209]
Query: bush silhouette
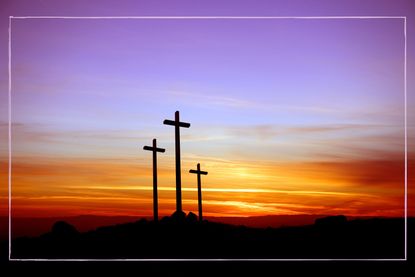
[63,229]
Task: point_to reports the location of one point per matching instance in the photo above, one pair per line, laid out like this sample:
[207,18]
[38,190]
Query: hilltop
[36,226]
[329,237]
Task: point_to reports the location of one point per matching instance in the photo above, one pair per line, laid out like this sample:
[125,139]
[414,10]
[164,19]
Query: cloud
[268,130]
[5,124]
[368,173]
[313,142]
[350,187]
[210,99]
[218,100]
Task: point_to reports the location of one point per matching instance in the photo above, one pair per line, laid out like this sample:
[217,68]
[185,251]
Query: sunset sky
[288,116]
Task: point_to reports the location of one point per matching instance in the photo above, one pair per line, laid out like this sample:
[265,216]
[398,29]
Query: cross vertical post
[199,188]
[177,124]
[154,149]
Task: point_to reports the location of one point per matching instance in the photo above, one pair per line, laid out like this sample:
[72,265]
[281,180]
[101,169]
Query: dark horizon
[35,226]
[172,237]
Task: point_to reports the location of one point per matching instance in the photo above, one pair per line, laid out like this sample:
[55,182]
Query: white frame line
[406,143]
[207,17]
[211,17]
[10,134]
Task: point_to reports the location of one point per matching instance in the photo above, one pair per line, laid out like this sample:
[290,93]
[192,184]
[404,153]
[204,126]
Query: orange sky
[61,187]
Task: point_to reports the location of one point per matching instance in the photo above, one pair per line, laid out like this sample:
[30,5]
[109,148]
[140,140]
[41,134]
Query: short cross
[199,188]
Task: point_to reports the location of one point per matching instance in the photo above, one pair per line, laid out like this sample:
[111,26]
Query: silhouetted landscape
[36,226]
[191,236]
[182,236]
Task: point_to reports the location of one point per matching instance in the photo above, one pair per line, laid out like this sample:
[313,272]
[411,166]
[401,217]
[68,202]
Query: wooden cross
[154,149]
[177,124]
[199,188]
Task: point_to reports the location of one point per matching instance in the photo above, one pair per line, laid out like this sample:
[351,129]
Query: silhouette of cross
[199,188]
[177,124]
[154,149]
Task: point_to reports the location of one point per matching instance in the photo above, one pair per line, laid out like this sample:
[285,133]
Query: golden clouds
[47,186]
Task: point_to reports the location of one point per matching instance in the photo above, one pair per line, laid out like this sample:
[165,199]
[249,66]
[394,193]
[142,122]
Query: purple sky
[120,76]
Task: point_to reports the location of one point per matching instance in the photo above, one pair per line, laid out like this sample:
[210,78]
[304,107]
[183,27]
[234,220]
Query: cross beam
[154,149]
[177,124]
[199,188]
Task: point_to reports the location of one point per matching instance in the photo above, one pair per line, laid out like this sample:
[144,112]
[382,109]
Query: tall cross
[177,124]
[154,149]
[199,188]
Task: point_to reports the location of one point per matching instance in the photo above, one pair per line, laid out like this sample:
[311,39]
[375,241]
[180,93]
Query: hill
[330,237]
[24,226]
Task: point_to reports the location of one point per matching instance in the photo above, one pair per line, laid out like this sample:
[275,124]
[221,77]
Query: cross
[177,124]
[154,149]
[199,188]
